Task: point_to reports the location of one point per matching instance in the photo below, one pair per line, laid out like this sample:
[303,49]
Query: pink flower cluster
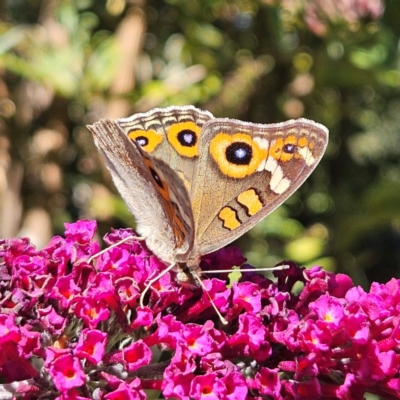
[71,328]
[319,15]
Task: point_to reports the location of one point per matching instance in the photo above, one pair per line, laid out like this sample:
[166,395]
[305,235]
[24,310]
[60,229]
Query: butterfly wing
[246,170]
[171,134]
[152,191]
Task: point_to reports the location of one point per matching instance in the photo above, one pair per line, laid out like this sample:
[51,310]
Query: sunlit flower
[79,318]
[66,372]
[91,345]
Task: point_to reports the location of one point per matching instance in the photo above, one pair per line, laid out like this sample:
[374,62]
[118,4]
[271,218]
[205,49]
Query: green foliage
[64,64]
[72,59]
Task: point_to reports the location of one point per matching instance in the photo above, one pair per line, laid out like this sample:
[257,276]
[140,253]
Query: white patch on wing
[278,183]
[271,164]
[281,186]
[307,155]
[262,142]
[261,166]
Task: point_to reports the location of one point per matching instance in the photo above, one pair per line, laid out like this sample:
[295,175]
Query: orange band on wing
[251,201]
[229,218]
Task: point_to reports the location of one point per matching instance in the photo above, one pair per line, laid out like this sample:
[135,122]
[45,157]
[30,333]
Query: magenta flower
[208,387]
[72,328]
[129,391]
[91,345]
[247,296]
[235,383]
[65,290]
[267,383]
[53,322]
[198,340]
[179,374]
[144,317]
[9,332]
[80,233]
[91,311]
[66,372]
[136,355]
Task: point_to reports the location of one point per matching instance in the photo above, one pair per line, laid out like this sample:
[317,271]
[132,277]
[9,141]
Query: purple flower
[267,383]
[66,372]
[91,345]
[217,292]
[235,383]
[51,321]
[144,317]
[9,332]
[329,311]
[136,355]
[80,232]
[250,339]
[208,387]
[179,374]
[91,311]
[125,391]
[77,314]
[247,296]
[65,290]
[197,339]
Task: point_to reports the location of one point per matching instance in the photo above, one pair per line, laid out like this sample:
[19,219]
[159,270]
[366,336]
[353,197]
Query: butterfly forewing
[171,134]
[152,191]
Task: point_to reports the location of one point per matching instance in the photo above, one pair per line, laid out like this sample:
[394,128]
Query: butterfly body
[195,183]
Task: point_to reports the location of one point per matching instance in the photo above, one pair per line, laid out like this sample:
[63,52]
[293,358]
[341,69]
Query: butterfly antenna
[223,320]
[277,268]
[112,246]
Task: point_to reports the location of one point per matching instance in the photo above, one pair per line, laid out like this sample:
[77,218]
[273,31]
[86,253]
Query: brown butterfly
[195,183]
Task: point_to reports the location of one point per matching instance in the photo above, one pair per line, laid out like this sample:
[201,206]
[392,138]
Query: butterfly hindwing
[246,170]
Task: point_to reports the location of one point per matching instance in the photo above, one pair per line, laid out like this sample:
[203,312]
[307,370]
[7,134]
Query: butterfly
[196,183]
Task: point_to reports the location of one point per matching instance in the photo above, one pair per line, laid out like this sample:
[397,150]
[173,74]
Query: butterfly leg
[113,245]
[153,281]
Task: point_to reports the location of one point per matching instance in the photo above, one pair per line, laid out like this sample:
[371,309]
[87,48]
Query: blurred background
[68,63]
